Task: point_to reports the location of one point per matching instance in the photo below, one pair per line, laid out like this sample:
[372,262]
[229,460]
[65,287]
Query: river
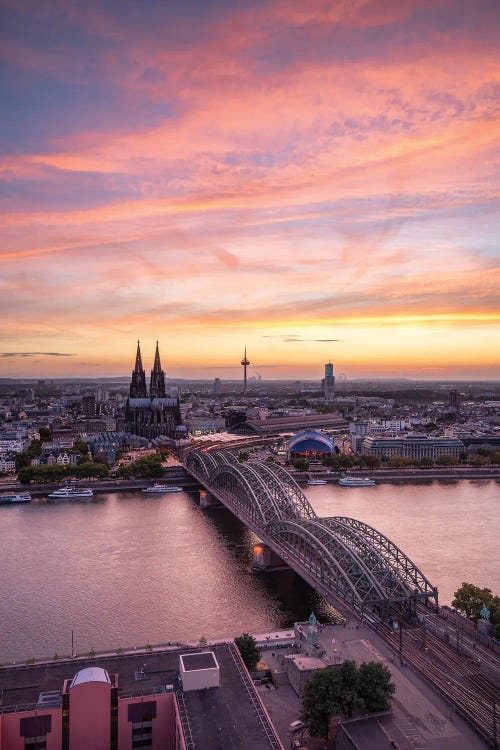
[126,569]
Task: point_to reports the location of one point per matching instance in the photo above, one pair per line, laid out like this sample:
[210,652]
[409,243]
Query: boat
[15,497]
[68,493]
[356,482]
[313,482]
[160,488]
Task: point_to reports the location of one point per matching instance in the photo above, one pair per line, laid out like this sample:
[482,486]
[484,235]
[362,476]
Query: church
[151,415]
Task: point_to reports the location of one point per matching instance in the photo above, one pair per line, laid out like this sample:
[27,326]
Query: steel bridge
[339,557]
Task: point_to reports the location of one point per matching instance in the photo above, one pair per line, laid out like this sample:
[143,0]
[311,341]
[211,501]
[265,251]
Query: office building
[173,699]
[328,383]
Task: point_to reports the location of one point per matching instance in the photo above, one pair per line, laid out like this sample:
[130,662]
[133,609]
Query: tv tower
[245,362]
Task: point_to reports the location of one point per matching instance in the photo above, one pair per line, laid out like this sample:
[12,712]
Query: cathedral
[153,414]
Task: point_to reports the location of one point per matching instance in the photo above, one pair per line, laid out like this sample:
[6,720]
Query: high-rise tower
[157,383]
[245,362]
[328,383]
[138,383]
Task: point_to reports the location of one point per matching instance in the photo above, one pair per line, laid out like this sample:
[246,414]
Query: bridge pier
[264,558]
[207,500]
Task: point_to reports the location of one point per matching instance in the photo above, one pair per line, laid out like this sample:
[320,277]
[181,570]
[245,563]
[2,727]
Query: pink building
[169,700]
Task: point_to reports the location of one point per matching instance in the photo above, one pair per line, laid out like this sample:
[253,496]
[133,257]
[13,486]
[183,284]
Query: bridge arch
[346,557]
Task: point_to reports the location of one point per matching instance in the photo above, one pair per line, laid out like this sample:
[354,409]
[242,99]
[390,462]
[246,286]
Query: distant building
[89,405]
[7,463]
[153,414]
[455,401]
[328,383]
[411,446]
[217,387]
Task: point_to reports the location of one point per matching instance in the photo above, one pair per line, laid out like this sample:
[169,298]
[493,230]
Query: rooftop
[227,716]
[204,660]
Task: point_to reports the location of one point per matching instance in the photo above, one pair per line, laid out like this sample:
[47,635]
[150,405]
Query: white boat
[312,482]
[160,488]
[356,482]
[69,493]
[15,497]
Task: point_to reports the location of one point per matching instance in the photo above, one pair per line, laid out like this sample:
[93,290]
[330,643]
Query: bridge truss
[341,557]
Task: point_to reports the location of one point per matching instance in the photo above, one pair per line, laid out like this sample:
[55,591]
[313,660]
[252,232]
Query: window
[142,734]
[35,743]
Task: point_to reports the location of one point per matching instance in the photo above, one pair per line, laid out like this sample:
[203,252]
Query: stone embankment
[408,474]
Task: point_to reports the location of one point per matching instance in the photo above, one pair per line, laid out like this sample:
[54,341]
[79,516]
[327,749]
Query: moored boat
[313,482]
[356,482]
[161,488]
[68,493]
[9,498]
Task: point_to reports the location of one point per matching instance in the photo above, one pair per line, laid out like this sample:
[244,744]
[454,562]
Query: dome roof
[311,440]
[90,674]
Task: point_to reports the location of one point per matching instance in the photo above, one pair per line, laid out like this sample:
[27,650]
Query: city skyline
[317,182]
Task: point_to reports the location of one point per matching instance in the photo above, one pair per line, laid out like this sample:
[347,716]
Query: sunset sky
[316,180]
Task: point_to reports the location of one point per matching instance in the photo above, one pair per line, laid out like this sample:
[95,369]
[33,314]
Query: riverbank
[406,475]
[179,477]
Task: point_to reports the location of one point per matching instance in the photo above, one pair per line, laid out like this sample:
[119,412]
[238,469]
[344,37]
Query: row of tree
[55,473]
[146,467]
[339,462]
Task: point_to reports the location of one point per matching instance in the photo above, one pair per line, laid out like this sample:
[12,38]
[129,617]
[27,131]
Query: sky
[315,180]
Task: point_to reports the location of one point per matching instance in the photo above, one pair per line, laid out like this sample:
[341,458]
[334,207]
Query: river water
[126,569]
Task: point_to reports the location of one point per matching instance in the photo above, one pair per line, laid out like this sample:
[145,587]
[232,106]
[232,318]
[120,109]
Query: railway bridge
[341,558]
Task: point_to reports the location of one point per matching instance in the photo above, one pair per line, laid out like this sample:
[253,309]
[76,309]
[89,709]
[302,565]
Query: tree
[243,456]
[447,460]
[301,464]
[322,700]
[426,462]
[375,686]
[470,599]
[398,462]
[247,646]
[45,434]
[81,446]
[337,690]
[371,462]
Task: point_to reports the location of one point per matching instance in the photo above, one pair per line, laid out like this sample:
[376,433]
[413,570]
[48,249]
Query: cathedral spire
[138,382]
[138,359]
[157,363]
[157,382]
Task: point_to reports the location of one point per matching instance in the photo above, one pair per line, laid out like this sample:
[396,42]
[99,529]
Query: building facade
[170,699]
[411,446]
[151,414]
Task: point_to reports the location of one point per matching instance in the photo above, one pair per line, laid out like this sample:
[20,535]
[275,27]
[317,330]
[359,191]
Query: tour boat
[312,482]
[356,482]
[160,488]
[69,493]
[15,497]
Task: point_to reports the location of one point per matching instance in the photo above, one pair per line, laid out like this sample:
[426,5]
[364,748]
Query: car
[296,725]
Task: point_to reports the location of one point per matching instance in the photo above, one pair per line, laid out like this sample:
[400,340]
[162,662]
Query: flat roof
[228,716]
[305,663]
[204,660]
[375,733]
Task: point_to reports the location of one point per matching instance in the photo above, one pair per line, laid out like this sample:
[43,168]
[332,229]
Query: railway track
[457,679]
